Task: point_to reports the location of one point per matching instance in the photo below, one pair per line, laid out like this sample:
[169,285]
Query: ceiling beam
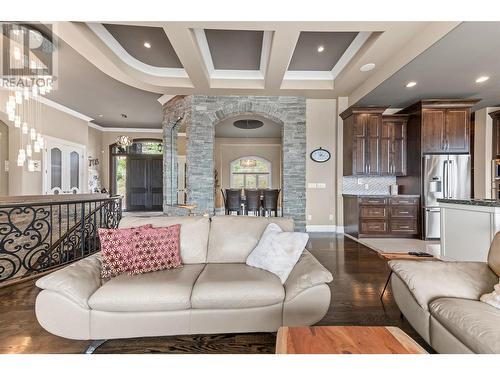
[282,46]
[184,43]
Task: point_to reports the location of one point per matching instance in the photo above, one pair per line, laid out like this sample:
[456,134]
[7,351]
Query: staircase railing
[40,237]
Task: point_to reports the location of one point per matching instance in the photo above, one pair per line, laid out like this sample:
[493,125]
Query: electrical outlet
[330,217]
[360,181]
[309,217]
[367,187]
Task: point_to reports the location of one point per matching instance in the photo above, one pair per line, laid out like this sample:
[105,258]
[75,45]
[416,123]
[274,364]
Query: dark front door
[145,185]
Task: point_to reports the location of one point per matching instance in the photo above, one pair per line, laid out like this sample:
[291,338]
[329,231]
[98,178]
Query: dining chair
[253,201]
[270,201]
[233,199]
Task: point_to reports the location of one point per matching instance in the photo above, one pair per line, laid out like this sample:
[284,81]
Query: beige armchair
[441,301]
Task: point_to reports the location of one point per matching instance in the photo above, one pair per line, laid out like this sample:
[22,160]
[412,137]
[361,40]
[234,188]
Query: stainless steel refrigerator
[445,176]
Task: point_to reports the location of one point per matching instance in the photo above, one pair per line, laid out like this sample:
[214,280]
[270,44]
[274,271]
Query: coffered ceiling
[132,67]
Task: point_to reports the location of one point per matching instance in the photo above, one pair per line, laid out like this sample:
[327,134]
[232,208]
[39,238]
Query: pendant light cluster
[23,107]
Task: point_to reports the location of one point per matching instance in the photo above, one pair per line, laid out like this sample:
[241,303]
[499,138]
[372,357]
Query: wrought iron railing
[39,237]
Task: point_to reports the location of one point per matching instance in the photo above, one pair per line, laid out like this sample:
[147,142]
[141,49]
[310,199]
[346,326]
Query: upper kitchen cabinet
[445,124]
[496,134]
[362,140]
[393,141]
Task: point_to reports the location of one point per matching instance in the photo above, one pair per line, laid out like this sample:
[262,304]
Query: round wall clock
[320,155]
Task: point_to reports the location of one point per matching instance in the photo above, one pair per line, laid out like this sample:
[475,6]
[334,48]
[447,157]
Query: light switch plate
[321,185]
[311,185]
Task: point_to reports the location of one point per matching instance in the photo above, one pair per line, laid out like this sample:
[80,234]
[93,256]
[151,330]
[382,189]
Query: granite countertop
[473,202]
[382,195]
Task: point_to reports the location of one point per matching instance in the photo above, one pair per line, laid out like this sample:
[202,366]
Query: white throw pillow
[278,251]
[492,298]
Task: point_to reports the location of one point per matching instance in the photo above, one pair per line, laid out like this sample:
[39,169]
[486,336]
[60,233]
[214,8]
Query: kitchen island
[468,227]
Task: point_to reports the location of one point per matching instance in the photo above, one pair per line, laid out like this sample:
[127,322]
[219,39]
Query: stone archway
[203,113]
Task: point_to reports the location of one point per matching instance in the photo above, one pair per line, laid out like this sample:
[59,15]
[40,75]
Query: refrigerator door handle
[445,179]
[449,183]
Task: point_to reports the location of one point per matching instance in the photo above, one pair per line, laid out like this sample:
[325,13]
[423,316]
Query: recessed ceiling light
[101,115]
[482,79]
[321,49]
[411,84]
[147,44]
[367,67]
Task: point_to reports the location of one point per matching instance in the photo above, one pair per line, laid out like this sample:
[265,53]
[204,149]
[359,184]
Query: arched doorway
[202,113]
[136,173]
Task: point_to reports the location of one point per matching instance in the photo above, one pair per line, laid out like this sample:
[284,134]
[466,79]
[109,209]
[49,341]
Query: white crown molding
[350,52]
[230,74]
[315,75]
[125,130]
[59,107]
[165,98]
[128,59]
[63,108]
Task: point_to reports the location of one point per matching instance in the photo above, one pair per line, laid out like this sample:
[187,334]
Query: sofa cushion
[494,255]
[166,290]
[474,323]
[278,251]
[194,233]
[156,249]
[429,280]
[235,286]
[232,238]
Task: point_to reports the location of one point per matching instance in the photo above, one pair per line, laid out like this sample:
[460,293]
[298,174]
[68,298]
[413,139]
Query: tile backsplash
[367,185]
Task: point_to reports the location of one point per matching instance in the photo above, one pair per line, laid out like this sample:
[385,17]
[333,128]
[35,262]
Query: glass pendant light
[29,151]
[17,121]
[36,146]
[25,127]
[33,134]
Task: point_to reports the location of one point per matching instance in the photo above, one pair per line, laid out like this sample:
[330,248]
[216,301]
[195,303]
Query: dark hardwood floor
[358,278]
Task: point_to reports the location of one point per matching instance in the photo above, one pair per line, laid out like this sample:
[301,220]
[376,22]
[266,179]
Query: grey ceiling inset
[86,89]
[448,69]
[235,49]
[227,128]
[132,39]
[307,57]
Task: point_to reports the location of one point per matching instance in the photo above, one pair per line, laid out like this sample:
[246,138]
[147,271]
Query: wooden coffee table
[345,340]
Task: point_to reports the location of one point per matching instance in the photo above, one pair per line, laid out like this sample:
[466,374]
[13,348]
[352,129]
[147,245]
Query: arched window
[250,172]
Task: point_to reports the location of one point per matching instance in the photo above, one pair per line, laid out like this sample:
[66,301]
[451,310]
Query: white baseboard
[321,228]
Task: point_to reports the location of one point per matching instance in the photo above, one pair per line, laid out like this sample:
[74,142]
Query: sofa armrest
[308,272]
[428,280]
[77,282]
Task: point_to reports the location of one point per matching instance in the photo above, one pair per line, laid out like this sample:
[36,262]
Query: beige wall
[53,123]
[4,156]
[483,152]
[321,132]
[229,149]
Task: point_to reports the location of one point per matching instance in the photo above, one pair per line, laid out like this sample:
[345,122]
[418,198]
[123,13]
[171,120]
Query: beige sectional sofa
[441,301]
[214,291]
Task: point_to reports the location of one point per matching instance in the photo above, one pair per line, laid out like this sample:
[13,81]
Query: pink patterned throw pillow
[117,253]
[156,249]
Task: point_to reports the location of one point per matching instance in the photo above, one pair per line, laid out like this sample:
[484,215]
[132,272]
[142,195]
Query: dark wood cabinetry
[445,125]
[393,145]
[394,216]
[496,135]
[362,140]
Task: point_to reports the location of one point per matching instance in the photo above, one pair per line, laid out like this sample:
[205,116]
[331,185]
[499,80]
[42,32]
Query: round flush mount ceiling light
[248,124]
[321,49]
[147,44]
[482,79]
[367,67]
[101,115]
[411,84]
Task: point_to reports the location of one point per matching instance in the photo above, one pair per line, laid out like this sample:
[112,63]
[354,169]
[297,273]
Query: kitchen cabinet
[496,134]
[445,124]
[381,216]
[362,140]
[393,141]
